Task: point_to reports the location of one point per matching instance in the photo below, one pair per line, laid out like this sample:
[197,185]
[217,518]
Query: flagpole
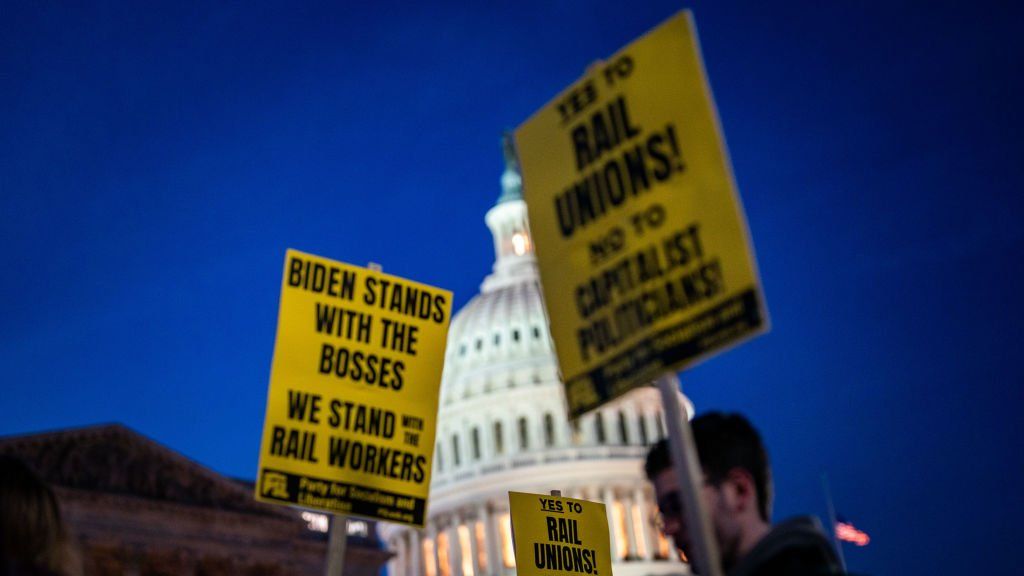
[832,520]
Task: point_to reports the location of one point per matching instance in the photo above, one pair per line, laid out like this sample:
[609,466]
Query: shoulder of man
[797,546]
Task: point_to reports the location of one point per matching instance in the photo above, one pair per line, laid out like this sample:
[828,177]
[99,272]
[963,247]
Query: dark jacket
[795,547]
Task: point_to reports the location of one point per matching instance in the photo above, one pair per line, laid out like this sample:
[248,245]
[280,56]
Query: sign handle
[691,478]
[337,540]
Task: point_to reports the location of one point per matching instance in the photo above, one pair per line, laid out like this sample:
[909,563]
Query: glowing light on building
[619,526]
[481,546]
[444,554]
[316,522]
[640,530]
[508,553]
[430,567]
[466,548]
[520,243]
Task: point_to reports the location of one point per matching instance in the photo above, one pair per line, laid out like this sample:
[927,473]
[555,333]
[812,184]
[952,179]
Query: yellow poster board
[645,259]
[352,406]
[555,535]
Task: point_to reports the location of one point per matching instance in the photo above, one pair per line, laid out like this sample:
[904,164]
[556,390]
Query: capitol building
[502,426]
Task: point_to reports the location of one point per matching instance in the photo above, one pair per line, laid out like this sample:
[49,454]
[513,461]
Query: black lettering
[294,272]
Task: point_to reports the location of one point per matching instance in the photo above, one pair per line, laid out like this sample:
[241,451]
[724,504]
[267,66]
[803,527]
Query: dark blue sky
[157,160]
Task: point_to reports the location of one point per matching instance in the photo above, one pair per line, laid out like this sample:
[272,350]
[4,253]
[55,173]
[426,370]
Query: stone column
[474,548]
[454,548]
[609,504]
[415,554]
[495,564]
[396,561]
[432,534]
[627,512]
[646,529]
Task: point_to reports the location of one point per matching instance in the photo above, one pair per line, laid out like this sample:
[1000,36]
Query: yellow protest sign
[555,535]
[645,260]
[352,406]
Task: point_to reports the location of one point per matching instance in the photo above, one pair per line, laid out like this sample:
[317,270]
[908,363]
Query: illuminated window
[508,554]
[549,430]
[358,528]
[623,429]
[444,554]
[316,522]
[466,549]
[599,427]
[481,546]
[429,563]
[475,437]
[524,433]
[639,530]
[520,243]
[619,526]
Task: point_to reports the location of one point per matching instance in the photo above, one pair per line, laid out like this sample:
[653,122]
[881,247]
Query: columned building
[502,427]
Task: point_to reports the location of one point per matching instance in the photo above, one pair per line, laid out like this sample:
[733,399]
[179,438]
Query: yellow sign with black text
[645,259]
[555,535]
[352,406]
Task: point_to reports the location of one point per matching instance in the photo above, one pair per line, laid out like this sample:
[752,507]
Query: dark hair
[33,536]
[724,442]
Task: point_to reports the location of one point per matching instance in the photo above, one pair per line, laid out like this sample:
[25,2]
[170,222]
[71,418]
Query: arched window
[499,439]
[623,428]
[599,427]
[643,428]
[524,433]
[455,450]
[475,437]
[549,429]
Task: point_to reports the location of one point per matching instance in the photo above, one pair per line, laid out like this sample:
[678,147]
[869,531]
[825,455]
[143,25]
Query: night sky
[157,160]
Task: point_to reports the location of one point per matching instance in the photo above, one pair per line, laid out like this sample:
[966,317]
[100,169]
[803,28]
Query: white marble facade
[502,427]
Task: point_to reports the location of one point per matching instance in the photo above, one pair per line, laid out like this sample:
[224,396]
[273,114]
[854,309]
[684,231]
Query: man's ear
[741,492]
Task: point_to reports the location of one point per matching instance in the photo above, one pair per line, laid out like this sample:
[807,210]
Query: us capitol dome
[502,426]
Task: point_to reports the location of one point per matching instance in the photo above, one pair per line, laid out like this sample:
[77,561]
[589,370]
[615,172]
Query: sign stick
[691,479]
[336,543]
[338,538]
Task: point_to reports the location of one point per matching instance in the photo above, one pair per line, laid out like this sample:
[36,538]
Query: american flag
[847,532]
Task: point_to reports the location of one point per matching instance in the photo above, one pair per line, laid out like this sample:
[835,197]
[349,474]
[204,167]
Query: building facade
[502,427]
[137,508]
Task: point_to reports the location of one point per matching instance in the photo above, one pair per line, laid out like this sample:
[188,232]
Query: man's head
[737,484]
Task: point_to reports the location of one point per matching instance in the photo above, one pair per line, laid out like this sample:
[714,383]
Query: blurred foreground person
[737,493]
[33,538]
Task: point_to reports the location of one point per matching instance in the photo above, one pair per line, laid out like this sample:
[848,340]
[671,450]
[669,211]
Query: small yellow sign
[555,535]
[352,406]
[645,258]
